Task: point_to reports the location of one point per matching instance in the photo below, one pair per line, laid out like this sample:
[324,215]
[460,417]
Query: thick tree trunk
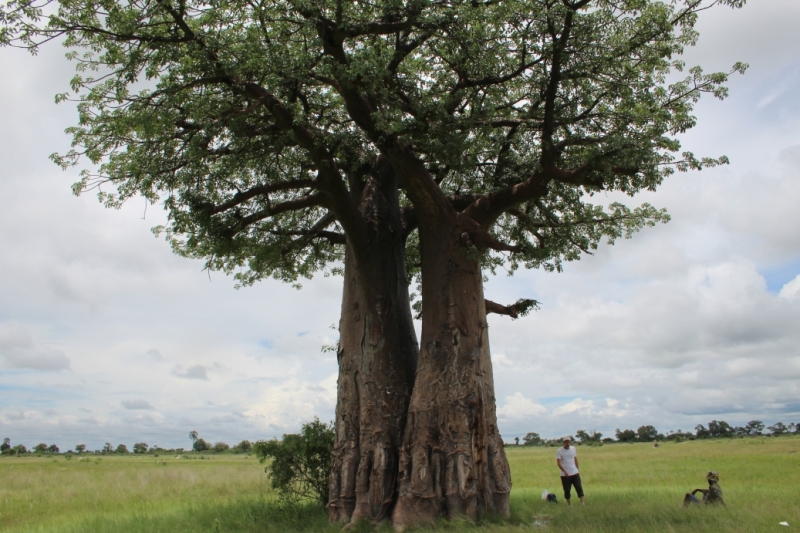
[377,361]
[452,460]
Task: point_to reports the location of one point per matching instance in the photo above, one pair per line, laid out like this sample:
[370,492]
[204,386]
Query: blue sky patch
[779,276]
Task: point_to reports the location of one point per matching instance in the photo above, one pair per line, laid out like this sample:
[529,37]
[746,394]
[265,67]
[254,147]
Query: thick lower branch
[521,308]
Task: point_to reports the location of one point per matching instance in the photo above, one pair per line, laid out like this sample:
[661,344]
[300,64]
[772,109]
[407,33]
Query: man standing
[567,461]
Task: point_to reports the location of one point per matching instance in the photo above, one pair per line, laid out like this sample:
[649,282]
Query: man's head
[712,476]
[567,442]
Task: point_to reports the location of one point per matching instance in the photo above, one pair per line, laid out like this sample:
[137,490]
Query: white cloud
[578,405]
[791,291]
[518,407]
[292,402]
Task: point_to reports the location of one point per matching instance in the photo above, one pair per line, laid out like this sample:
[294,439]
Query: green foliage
[754,427]
[40,448]
[592,438]
[5,448]
[80,448]
[200,445]
[140,447]
[778,428]
[243,447]
[701,432]
[121,449]
[300,464]
[221,447]
[720,429]
[532,439]
[243,117]
[625,435]
[19,449]
[646,433]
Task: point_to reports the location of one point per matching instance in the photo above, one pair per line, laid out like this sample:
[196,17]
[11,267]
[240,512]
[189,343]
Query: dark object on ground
[551,498]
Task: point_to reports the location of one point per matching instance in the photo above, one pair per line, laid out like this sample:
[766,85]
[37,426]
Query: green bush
[243,447]
[300,463]
[200,445]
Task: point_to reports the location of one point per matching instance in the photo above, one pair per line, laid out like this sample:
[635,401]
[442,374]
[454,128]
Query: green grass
[629,487]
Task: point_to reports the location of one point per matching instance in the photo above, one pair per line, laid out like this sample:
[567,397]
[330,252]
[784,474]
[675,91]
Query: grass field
[629,487]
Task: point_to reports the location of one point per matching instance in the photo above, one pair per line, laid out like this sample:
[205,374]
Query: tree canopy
[250,120]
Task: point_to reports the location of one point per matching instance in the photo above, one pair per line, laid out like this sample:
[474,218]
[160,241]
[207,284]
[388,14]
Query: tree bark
[377,360]
[452,460]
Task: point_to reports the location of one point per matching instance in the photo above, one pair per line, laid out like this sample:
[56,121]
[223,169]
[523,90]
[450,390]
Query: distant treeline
[716,429]
[198,445]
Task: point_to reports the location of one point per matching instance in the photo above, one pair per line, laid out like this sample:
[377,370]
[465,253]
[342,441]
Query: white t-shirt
[567,458]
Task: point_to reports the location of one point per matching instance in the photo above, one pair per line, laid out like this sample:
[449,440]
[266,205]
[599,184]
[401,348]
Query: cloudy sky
[106,336]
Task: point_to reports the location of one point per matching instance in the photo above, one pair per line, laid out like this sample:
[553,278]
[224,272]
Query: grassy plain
[629,488]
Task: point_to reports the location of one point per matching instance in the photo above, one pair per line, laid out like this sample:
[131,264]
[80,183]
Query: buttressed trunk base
[452,462]
[377,360]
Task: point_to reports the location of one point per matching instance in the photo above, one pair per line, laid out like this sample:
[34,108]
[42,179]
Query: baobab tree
[449,136]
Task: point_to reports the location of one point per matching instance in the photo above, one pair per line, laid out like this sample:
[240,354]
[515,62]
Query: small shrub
[221,447]
[243,447]
[300,463]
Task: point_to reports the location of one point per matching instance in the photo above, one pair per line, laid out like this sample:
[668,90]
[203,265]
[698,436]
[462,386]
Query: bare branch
[520,308]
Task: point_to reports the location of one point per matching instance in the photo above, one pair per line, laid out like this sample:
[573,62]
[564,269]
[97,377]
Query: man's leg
[566,483]
[576,482]
[689,499]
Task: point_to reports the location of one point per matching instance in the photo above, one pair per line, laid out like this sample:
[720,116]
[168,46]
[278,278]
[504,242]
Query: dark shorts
[572,481]
[690,499]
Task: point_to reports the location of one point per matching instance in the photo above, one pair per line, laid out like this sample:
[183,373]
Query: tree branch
[520,308]
[243,196]
[548,127]
[316,231]
[304,202]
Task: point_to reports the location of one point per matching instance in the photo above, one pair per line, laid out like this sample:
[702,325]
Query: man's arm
[558,462]
[695,491]
[576,463]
